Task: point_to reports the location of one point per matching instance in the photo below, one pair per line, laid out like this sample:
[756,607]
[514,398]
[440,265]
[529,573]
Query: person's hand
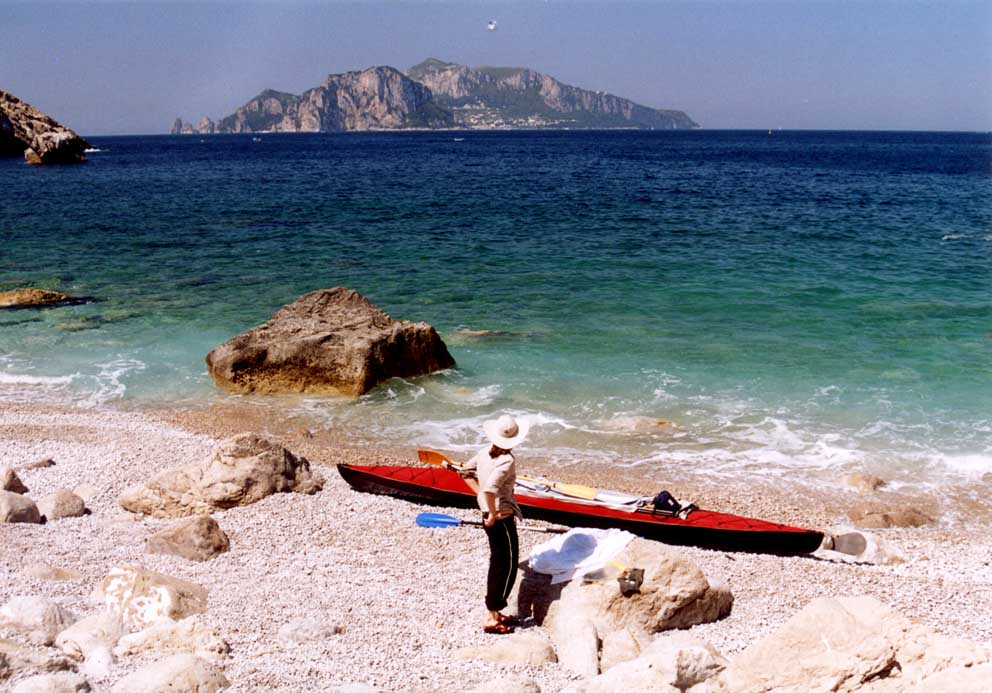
[489,520]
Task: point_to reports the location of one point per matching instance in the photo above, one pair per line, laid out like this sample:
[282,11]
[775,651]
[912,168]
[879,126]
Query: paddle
[442,520]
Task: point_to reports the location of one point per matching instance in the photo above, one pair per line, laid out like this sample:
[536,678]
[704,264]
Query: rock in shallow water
[329,341]
[38,298]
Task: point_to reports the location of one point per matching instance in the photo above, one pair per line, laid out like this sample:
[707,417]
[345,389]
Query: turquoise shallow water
[796,302]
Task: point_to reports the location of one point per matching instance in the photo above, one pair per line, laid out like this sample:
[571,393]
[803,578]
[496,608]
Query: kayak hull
[443,487]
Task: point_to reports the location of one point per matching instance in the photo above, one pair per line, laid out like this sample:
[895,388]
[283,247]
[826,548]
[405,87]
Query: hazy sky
[132,67]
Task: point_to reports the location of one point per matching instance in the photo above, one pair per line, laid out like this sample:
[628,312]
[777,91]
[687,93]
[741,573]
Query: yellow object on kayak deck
[439,459]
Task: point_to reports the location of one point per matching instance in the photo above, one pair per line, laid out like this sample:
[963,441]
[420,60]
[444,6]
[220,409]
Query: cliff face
[436,94]
[514,93]
[380,98]
[24,130]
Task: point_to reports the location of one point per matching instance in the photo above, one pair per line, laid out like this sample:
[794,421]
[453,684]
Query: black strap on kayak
[666,503]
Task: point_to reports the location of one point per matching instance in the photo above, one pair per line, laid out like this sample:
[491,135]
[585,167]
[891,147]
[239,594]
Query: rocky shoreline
[337,590]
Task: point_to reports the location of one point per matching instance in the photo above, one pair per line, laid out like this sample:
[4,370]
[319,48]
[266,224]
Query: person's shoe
[498,629]
[512,621]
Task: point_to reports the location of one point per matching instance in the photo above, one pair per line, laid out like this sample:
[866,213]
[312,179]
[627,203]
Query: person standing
[496,471]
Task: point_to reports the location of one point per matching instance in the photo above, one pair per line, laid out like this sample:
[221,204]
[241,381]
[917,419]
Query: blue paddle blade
[437,520]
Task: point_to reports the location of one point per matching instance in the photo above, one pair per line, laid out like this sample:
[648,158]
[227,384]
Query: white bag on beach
[578,552]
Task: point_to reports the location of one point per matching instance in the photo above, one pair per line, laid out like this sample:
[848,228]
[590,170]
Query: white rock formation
[142,597]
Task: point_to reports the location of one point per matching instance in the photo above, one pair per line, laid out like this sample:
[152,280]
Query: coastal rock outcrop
[328,341]
[24,130]
[38,298]
[242,470]
[196,539]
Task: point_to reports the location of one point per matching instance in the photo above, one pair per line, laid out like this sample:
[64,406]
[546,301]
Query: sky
[132,67]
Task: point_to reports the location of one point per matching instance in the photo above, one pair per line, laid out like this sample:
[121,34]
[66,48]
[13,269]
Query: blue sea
[796,304]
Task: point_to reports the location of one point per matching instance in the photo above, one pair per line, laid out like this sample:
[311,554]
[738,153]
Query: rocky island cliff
[437,95]
[379,98]
[26,131]
[493,97]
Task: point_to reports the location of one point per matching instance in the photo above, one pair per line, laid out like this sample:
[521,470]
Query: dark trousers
[504,556]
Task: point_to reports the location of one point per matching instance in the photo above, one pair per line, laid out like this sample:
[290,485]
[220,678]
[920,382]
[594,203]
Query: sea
[784,304]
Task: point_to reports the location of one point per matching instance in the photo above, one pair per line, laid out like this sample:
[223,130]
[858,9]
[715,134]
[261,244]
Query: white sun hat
[506,432]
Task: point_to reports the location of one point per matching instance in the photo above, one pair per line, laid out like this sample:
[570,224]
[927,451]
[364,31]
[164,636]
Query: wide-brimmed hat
[506,432]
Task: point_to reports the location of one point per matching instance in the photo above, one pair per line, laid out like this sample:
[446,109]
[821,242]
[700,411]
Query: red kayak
[444,487]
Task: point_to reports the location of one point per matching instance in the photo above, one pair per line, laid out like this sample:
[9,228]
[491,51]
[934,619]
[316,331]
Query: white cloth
[578,552]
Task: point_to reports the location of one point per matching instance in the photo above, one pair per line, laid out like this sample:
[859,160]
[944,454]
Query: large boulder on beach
[17,508]
[40,618]
[195,539]
[65,682]
[167,637]
[181,672]
[61,504]
[847,644]
[38,298]
[26,131]
[99,631]
[17,659]
[582,616]
[672,663]
[243,469]
[141,597]
[328,341]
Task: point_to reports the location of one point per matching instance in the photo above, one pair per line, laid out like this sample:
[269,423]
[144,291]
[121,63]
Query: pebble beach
[394,601]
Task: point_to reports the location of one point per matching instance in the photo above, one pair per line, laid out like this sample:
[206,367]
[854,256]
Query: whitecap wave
[91,150]
[42,380]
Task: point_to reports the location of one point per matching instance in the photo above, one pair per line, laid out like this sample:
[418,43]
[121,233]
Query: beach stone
[871,518]
[17,508]
[9,481]
[87,492]
[39,617]
[619,646]
[41,463]
[42,571]
[846,644]
[673,662]
[188,636]
[527,648]
[16,659]
[61,504]
[53,683]
[38,298]
[306,629]
[196,539]
[975,679]
[181,672]
[507,684]
[97,631]
[141,597]
[243,469]
[865,483]
[327,341]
